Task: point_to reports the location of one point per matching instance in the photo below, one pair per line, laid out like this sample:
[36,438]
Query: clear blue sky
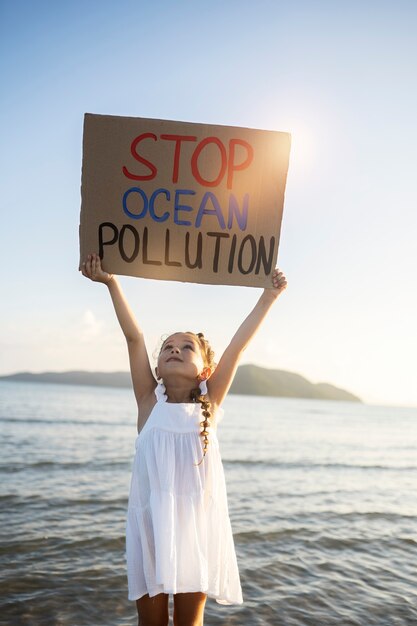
[341,77]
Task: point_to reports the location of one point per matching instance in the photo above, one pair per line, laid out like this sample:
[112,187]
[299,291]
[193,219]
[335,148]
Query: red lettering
[227,161]
[232,166]
[137,156]
[178,139]
[194,162]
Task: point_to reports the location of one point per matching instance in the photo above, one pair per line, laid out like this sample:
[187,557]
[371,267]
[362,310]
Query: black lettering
[145,259]
[198,254]
[101,242]
[232,254]
[218,236]
[167,261]
[252,241]
[122,247]
[267,263]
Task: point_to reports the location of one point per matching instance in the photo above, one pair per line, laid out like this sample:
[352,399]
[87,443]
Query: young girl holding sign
[178,534]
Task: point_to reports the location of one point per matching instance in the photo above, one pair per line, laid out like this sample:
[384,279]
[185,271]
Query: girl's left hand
[279,283]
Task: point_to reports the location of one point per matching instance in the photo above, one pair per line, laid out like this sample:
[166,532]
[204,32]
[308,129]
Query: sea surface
[322,497]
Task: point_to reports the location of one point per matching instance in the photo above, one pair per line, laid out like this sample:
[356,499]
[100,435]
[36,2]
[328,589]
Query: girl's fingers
[277,273]
[96,264]
[87,266]
[278,279]
[91,267]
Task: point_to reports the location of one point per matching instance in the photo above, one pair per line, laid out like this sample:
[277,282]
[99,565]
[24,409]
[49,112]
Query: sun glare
[303,147]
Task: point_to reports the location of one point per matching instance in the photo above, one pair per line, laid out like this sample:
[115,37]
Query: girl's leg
[189,609]
[153,611]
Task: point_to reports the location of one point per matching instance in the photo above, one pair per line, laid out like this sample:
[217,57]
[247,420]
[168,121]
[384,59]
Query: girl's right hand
[92,269]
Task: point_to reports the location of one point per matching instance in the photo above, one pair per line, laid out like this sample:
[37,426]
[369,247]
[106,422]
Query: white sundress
[178,533]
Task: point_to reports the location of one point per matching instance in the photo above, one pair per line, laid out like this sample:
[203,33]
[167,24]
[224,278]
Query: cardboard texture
[181,201]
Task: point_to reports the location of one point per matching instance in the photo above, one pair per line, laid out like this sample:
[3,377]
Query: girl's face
[180,354]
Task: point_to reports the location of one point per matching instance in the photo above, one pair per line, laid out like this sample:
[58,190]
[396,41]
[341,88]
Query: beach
[321,499]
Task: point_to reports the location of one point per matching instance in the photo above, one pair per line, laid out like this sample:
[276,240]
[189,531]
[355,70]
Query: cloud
[91,327]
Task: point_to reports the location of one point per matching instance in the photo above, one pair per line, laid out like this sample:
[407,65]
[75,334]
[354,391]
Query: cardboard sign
[181,201]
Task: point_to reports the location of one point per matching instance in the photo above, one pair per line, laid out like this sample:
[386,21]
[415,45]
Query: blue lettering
[135,216]
[215,211]
[182,207]
[241,217]
[156,193]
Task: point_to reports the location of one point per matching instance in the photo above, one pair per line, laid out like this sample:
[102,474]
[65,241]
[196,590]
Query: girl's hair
[196,395]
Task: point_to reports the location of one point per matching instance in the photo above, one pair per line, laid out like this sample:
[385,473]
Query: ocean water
[322,497]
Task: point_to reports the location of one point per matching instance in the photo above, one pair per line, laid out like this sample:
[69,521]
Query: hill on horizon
[250,380]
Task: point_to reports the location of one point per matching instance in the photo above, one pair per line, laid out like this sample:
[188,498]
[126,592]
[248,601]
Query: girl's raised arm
[219,383]
[140,368]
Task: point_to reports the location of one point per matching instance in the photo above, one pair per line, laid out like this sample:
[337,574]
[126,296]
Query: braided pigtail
[197,395]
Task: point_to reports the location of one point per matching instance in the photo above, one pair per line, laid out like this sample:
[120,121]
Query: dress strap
[160,394]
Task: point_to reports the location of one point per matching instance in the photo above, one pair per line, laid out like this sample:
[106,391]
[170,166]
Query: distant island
[250,380]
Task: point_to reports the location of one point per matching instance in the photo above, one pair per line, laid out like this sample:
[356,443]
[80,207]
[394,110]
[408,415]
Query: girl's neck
[178,393]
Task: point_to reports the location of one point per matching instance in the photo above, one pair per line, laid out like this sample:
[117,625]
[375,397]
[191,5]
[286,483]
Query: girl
[178,535]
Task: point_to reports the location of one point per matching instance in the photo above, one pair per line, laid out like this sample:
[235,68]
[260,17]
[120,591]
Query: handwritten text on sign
[181,201]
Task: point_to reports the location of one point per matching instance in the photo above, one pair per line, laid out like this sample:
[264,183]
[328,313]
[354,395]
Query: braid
[196,395]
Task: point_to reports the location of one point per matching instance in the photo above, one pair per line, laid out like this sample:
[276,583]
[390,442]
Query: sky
[340,77]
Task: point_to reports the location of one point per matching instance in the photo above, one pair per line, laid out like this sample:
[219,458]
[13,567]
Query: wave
[123,464]
[23,545]
[57,422]
[314,465]
[313,528]
[12,468]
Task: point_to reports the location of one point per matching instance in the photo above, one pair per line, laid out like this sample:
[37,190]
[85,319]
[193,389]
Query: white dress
[178,533]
